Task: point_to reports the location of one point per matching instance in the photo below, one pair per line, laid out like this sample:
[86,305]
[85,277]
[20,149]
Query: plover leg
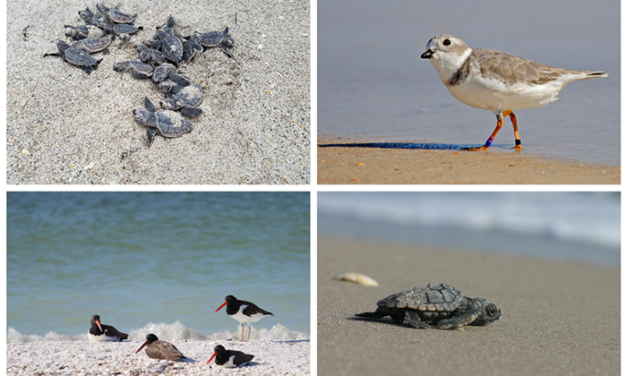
[512,117]
[499,125]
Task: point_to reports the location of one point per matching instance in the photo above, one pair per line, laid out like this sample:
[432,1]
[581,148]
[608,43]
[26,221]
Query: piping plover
[497,81]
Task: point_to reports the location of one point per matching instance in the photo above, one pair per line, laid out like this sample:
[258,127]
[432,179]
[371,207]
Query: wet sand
[67,127]
[358,165]
[558,318]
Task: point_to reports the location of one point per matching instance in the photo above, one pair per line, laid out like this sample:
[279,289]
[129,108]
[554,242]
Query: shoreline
[552,313]
[91,358]
[365,165]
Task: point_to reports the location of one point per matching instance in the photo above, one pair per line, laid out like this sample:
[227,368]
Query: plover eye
[446,42]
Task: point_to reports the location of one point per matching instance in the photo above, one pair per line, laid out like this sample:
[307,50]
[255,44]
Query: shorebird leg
[499,124]
[512,117]
[241,336]
[248,337]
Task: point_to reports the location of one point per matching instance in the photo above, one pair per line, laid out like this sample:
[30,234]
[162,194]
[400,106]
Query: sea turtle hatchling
[164,122]
[186,100]
[440,305]
[75,56]
[115,14]
[138,69]
[92,45]
[171,44]
[217,38]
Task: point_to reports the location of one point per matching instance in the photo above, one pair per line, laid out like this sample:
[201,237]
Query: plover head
[447,54]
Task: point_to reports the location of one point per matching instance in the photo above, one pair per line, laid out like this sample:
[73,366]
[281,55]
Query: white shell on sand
[356,278]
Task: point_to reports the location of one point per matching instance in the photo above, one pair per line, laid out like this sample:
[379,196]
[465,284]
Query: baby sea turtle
[190,48]
[162,72]
[90,18]
[82,31]
[124,31]
[76,32]
[75,56]
[171,44]
[115,14]
[149,55]
[218,38]
[138,69]
[186,100]
[164,122]
[92,45]
[440,305]
[174,83]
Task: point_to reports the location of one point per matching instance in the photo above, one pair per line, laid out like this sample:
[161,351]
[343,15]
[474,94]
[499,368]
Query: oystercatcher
[243,311]
[229,358]
[101,332]
[160,349]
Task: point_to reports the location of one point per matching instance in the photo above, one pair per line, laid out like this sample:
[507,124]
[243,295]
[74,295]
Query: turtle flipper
[465,318]
[226,50]
[87,70]
[151,135]
[413,318]
[191,111]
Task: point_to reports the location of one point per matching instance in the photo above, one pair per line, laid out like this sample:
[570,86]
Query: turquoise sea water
[156,261]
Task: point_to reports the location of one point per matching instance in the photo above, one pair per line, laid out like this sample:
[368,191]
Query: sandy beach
[558,318]
[112,358]
[67,127]
[360,165]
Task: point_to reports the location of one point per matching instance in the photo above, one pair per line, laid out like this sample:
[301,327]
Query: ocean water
[156,262]
[580,227]
[373,85]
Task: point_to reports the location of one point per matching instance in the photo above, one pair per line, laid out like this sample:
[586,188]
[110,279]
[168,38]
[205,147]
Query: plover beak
[427,54]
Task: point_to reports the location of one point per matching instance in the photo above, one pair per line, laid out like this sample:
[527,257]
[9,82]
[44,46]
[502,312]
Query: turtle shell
[172,124]
[79,58]
[190,96]
[432,298]
[91,45]
[172,48]
[213,38]
[162,72]
[115,14]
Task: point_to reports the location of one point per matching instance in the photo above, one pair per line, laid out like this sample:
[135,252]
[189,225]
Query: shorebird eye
[446,42]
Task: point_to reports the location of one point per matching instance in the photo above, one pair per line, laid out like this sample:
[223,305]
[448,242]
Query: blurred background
[156,263]
[579,227]
[373,85]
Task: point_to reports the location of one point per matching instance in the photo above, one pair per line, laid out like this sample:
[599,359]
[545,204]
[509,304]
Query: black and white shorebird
[101,332]
[160,349]
[229,358]
[243,311]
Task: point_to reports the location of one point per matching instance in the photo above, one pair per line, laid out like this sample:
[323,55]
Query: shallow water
[142,258]
[373,85]
[582,227]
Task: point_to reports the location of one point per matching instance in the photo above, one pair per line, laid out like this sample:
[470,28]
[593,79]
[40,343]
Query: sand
[113,358]
[352,165]
[558,318]
[67,127]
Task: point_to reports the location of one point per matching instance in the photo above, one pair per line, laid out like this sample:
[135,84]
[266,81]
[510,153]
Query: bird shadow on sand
[398,145]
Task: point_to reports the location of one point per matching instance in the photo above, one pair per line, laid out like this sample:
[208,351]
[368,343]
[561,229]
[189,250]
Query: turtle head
[145,117]
[62,45]
[489,312]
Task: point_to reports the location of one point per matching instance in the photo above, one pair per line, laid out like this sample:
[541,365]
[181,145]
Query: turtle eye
[446,42]
[491,310]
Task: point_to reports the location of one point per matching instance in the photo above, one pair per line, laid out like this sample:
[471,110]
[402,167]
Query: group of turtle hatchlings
[159,59]
[436,304]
